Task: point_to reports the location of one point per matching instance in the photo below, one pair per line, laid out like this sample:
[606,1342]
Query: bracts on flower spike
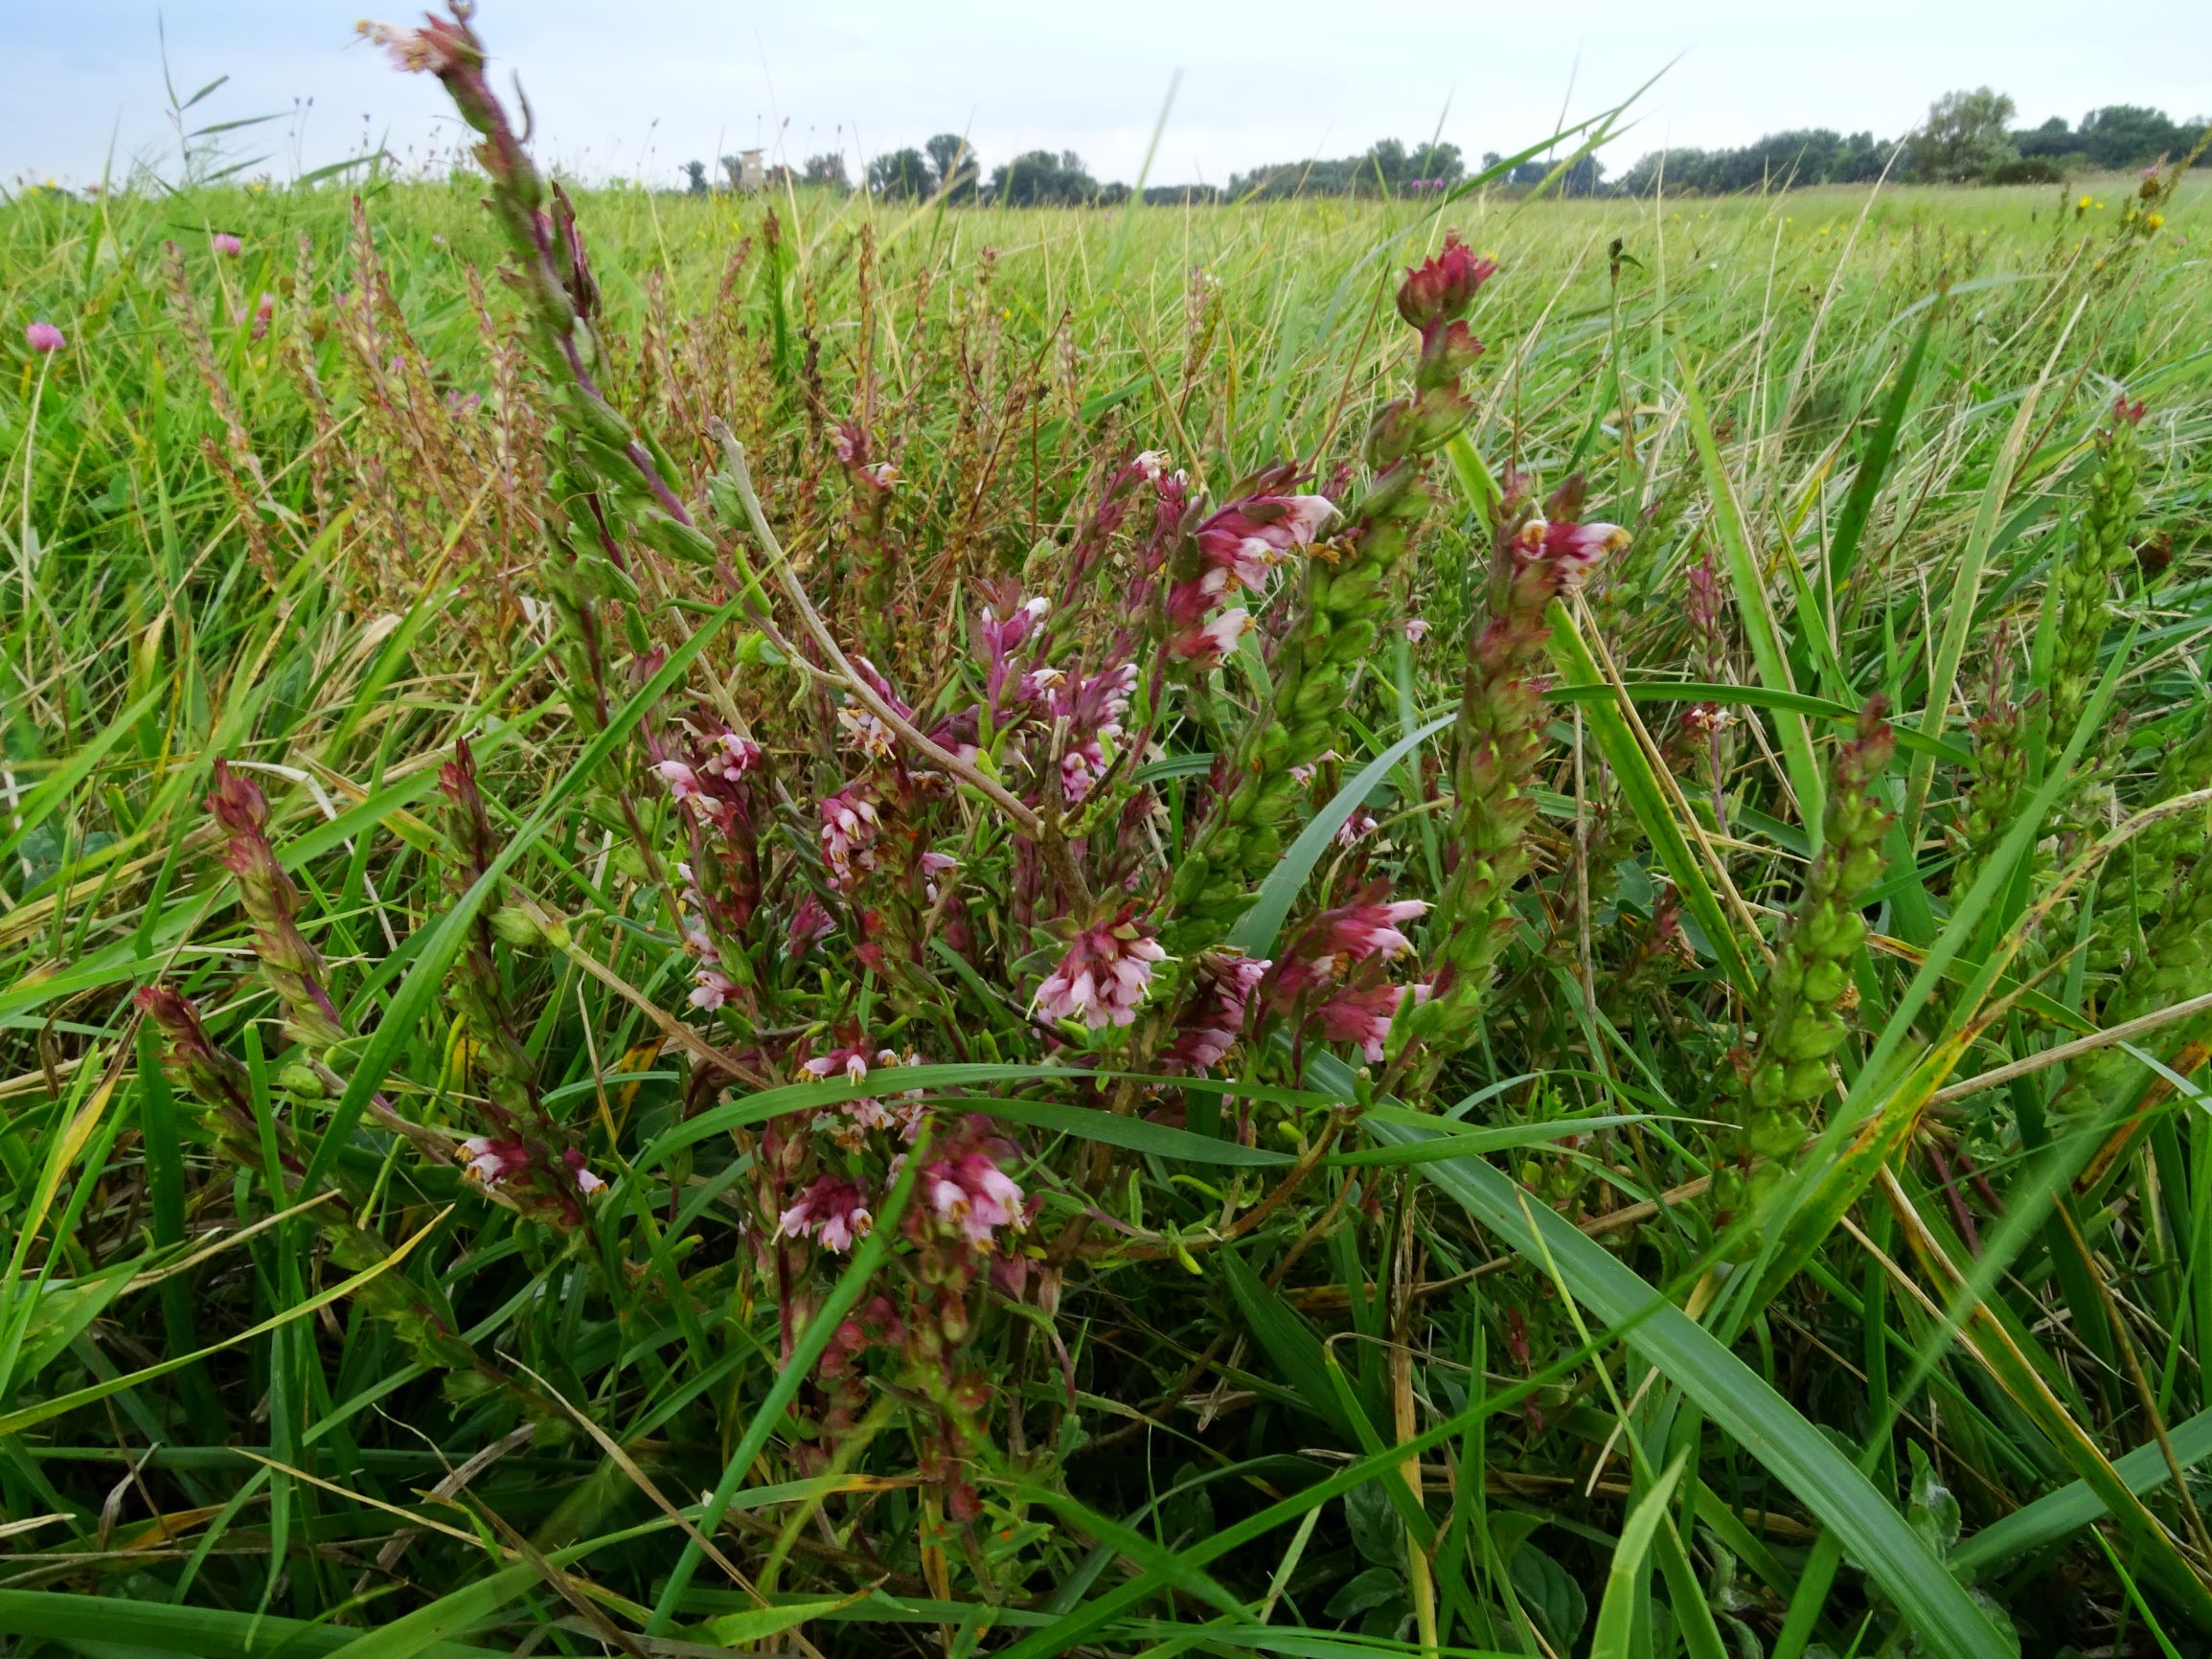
[293,967]
[218,1084]
[1497,742]
[1346,599]
[1801,1023]
[526,1155]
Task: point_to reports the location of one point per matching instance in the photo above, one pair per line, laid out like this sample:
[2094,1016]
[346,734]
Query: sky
[633,90]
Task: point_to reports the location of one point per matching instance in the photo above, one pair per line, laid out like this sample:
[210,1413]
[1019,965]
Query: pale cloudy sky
[634,89]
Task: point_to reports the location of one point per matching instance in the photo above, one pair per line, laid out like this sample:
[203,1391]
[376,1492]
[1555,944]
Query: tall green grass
[1499,1375]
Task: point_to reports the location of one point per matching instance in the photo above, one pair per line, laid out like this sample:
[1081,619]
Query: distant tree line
[1967,139]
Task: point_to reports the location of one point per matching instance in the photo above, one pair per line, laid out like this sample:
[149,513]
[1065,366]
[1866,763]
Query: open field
[1723,1252]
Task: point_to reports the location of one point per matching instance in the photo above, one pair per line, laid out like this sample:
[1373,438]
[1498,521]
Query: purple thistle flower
[44,336]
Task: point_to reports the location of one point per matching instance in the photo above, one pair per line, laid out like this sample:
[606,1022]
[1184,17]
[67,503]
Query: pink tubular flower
[833,1212]
[966,1193]
[1102,977]
[1572,550]
[849,828]
[586,1182]
[1364,1016]
[731,758]
[1225,981]
[491,1161]
[44,336]
[1207,644]
[1354,829]
[1416,629]
[227,244]
[712,988]
[852,1061]
[682,782]
[1151,463]
[811,925]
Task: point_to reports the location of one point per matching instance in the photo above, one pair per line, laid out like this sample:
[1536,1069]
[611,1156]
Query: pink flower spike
[1102,977]
[1225,981]
[43,336]
[811,925]
[227,246]
[832,1211]
[849,828]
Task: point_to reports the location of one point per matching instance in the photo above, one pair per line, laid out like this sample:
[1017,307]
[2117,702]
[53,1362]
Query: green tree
[1040,178]
[2128,135]
[1964,138]
[828,169]
[901,174]
[695,177]
[952,166]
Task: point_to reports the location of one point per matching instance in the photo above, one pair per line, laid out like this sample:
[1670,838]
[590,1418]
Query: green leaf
[1616,1612]
[1256,929]
[1761,631]
[203,1632]
[1730,1393]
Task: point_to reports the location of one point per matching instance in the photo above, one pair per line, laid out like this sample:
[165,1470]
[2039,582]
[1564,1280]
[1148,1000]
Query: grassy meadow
[1785,1243]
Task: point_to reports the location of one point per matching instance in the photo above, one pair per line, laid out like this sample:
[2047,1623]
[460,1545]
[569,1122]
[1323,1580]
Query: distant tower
[751,173]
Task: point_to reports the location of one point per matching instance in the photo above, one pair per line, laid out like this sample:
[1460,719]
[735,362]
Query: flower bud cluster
[1348,595]
[1801,1023]
[1497,742]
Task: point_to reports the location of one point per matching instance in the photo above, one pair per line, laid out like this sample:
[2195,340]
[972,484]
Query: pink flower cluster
[44,336]
[493,1160]
[1336,941]
[1572,550]
[1102,977]
[849,830]
[964,1193]
[833,1211]
[1224,982]
[850,1123]
[1239,550]
[1333,970]
[1093,709]
[709,786]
